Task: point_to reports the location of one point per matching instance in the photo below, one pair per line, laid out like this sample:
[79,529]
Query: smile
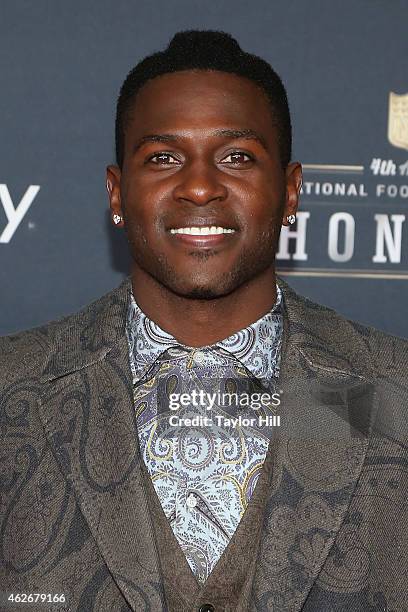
[201,237]
[202,231]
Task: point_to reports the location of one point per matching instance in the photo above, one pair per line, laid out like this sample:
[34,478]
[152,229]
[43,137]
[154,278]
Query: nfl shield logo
[398,120]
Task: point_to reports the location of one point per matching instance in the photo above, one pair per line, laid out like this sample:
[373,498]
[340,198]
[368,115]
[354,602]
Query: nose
[199,184]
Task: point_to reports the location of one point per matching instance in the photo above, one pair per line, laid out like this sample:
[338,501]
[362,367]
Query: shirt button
[191,501]
[199,357]
[207,607]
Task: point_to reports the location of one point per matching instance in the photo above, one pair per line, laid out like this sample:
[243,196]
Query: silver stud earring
[117,219]
[291,219]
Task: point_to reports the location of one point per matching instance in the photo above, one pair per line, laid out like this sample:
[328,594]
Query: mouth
[202,236]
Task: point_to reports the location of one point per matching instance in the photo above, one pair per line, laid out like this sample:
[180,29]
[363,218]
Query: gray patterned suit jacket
[74,512]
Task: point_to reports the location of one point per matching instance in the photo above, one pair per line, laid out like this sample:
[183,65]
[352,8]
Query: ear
[293,186]
[113,175]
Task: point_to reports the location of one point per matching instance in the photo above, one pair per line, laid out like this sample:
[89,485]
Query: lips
[200,222]
[203,241]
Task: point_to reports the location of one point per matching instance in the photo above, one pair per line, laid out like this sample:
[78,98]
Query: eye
[237,157]
[163,159]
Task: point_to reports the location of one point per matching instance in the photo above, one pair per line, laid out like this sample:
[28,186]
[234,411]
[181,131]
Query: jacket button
[207,607]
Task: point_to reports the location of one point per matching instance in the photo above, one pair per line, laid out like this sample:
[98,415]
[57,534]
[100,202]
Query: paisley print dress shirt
[203,473]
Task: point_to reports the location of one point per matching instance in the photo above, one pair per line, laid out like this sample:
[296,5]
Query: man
[108,502]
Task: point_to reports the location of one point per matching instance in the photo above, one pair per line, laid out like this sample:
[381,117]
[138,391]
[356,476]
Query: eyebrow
[246,134]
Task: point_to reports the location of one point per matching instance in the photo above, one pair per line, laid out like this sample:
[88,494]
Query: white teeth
[202,231]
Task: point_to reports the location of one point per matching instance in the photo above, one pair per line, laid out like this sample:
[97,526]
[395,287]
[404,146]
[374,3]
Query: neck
[196,322]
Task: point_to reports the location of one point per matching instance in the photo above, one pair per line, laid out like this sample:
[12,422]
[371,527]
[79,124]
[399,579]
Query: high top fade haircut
[206,50]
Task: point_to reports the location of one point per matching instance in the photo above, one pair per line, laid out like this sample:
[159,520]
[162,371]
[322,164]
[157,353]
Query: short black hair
[206,50]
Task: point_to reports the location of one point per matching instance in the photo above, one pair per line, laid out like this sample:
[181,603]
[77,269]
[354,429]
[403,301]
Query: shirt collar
[257,346]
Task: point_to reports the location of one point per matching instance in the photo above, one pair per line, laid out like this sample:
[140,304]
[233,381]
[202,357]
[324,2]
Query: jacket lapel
[328,401]
[87,412]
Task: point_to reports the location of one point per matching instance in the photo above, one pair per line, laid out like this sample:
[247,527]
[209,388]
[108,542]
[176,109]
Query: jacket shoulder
[332,333]
[389,352]
[24,354]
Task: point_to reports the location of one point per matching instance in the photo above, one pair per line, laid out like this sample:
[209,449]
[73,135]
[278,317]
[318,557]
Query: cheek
[262,212]
[262,196]
[144,202]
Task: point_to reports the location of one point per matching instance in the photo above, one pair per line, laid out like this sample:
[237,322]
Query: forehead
[201,98]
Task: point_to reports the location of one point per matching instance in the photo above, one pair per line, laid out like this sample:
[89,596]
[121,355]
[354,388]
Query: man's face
[201,149]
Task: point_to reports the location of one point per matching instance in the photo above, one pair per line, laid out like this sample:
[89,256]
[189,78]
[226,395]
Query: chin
[199,291]
[203,293]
